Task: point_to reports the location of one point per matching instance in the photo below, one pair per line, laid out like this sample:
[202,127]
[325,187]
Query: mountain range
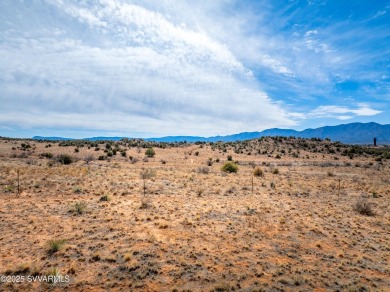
[353,133]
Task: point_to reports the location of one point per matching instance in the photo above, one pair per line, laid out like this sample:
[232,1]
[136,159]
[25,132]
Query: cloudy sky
[142,68]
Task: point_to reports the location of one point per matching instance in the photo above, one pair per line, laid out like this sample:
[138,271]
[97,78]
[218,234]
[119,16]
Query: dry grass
[191,230]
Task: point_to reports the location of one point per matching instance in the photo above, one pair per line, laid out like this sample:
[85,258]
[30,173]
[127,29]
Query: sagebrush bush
[64,159]
[79,208]
[203,169]
[229,167]
[258,172]
[364,207]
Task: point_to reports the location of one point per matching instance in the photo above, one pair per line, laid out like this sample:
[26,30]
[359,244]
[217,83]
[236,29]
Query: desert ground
[298,215]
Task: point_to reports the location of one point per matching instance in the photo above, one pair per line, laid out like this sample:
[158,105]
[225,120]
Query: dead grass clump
[78,208]
[258,172]
[223,287]
[364,207]
[203,169]
[88,158]
[133,160]
[145,204]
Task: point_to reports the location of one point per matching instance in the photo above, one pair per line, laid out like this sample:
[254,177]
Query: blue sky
[155,68]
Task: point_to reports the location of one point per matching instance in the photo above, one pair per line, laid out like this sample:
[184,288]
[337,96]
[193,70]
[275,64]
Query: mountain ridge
[353,133]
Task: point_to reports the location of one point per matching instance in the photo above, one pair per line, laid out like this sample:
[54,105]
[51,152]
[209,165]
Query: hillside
[354,133]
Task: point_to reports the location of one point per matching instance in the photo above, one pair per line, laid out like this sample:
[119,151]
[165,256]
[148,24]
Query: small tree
[150,152]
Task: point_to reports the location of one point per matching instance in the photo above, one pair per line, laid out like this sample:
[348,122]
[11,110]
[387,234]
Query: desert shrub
[64,159]
[55,245]
[77,190]
[47,155]
[79,208]
[258,172]
[145,204]
[150,152]
[209,162]
[88,158]
[203,169]
[104,198]
[275,171]
[133,160]
[364,207]
[229,167]
[102,157]
[76,150]
[230,158]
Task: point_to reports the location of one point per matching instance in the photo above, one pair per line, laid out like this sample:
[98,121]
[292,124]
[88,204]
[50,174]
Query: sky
[143,68]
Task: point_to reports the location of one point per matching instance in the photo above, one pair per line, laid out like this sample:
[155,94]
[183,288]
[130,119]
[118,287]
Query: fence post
[18,182]
[339,186]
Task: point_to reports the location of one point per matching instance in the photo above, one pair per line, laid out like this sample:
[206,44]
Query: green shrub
[229,167]
[55,245]
[104,198]
[150,152]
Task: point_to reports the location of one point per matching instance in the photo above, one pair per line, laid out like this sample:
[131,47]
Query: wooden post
[18,182]
[252,185]
[339,186]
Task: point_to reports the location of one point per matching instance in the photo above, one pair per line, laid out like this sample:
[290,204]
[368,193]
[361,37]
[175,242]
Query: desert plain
[297,215]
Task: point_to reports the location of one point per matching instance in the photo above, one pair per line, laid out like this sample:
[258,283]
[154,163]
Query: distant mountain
[51,138]
[354,133]
[104,138]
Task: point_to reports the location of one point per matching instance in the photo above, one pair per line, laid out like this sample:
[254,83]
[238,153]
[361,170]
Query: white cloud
[154,65]
[154,76]
[342,112]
